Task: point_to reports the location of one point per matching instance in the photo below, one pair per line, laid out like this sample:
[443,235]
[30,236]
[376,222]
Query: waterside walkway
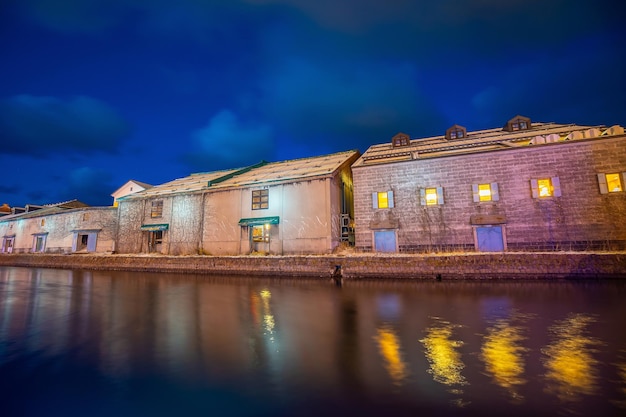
[510,265]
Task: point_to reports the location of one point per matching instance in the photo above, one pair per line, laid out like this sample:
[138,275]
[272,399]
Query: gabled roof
[483,141]
[140,184]
[292,170]
[47,209]
[261,173]
[192,183]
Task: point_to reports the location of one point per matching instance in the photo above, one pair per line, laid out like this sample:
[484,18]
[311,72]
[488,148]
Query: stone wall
[582,218]
[445,267]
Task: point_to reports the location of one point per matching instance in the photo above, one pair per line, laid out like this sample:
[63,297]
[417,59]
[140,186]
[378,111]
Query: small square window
[545,187]
[157,209]
[614,183]
[260,199]
[431,196]
[382,200]
[486,192]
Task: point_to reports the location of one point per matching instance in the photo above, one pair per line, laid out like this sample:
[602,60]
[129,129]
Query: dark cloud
[228,142]
[92,186]
[333,101]
[41,125]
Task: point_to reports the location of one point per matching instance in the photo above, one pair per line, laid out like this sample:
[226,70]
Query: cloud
[355,103]
[227,142]
[89,185]
[34,125]
[558,85]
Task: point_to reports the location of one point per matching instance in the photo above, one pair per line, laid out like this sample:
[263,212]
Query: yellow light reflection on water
[570,366]
[268,317]
[502,354]
[390,350]
[443,357]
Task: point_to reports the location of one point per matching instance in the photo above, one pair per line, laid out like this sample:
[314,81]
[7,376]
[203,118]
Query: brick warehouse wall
[581,218]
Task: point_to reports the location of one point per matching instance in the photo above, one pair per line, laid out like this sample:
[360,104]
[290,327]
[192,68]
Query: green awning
[258,220]
[154,227]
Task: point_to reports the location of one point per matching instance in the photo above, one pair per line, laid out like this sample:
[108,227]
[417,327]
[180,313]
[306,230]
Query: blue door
[490,239]
[385,240]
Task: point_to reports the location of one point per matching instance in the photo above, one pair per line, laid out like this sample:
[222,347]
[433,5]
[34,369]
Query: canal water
[80,343]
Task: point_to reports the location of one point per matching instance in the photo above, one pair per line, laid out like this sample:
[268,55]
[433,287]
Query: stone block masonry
[549,265]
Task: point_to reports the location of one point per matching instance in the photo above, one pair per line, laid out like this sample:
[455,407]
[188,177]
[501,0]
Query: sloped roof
[292,170]
[49,209]
[262,173]
[143,185]
[482,141]
[192,183]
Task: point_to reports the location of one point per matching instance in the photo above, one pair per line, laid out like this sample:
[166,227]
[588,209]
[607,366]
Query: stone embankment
[558,265]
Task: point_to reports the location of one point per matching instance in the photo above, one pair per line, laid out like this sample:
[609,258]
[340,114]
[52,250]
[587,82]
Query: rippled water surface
[77,343]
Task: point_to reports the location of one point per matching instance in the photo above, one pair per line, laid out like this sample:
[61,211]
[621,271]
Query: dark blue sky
[96,92]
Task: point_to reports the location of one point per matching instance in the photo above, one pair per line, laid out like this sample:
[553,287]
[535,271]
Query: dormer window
[456,132]
[401,139]
[517,123]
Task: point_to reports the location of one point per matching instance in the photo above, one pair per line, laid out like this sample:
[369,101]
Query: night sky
[96,92]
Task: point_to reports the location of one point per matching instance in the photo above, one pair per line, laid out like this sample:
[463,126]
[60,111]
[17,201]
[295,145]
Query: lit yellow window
[545,187]
[383,200]
[431,196]
[484,192]
[614,183]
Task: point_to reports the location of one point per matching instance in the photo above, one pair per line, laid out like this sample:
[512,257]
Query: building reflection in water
[444,359]
[570,367]
[390,349]
[502,353]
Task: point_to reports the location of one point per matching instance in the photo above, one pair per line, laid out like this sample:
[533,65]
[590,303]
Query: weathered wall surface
[470,266]
[581,218]
[60,229]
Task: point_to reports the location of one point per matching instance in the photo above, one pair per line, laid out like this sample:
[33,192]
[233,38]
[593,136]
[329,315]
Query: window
[400,139]
[157,209]
[612,183]
[431,196]
[517,123]
[382,200]
[485,192]
[456,132]
[260,199]
[261,233]
[545,187]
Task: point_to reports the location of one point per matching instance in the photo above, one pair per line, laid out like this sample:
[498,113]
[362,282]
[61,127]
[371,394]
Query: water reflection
[502,352]
[252,347]
[390,350]
[444,359]
[569,362]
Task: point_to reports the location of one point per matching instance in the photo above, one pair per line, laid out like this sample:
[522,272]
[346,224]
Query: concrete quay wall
[370,266]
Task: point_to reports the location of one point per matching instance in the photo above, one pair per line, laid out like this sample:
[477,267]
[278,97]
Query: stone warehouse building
[68,227]
[302,206]
[526,186]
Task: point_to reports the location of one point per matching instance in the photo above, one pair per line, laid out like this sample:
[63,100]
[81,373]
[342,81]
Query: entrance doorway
[489,238]
[260,238]
[84,241]
[155,241]
[7,244]
[385,241]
